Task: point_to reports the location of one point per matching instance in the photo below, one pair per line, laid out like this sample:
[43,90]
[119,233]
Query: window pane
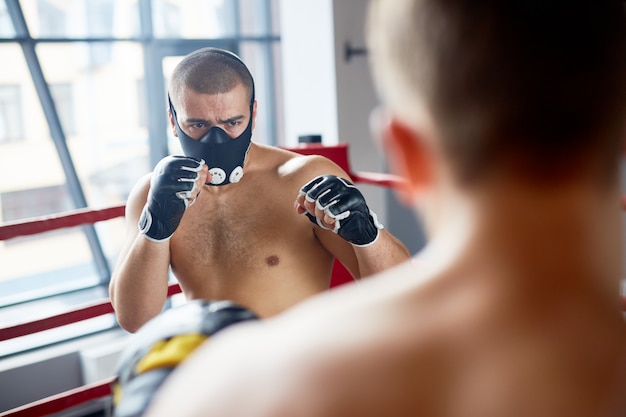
[279,112]
[194,19]
[6,25]
[35,149]
[81,18]
[45,308]
[62,94]
[45,264]
[168,65]
[25,192]
[96,95]
[34,202]
[101,98]
[109,143]
[11,124]
[257,56]
[275,17]
[259,17]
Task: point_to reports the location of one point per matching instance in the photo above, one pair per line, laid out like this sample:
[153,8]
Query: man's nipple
[272,260]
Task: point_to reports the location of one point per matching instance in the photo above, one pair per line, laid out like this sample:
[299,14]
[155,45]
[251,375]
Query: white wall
[310,96]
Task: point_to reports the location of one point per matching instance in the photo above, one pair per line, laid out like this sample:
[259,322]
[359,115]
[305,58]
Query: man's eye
[233,123]
[199,125]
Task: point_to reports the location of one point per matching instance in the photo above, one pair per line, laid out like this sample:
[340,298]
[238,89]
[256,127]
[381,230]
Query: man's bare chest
[237,229]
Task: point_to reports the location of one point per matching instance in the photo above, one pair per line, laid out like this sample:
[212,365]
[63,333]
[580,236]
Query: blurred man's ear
[408,156]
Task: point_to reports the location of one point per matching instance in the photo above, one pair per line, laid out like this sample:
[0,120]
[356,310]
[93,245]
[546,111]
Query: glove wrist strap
[148,227]
[378,226]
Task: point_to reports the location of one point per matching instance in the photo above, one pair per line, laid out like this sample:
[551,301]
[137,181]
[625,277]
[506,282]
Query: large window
[83,116]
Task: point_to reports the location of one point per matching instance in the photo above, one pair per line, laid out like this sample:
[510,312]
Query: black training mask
[225,156]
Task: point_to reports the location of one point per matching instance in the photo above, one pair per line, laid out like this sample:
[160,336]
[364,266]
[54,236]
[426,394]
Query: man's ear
[254,115]
[172,122]
[408,156]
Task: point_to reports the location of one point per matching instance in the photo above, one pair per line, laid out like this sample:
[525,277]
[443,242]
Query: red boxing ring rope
[72,316]
[63,401]
[58,221]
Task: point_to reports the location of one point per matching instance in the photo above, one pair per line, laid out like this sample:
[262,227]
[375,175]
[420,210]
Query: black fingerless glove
[173,180]
[342,201]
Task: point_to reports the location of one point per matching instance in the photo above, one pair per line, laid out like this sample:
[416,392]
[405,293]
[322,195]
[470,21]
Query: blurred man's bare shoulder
[352,346]
[400,335]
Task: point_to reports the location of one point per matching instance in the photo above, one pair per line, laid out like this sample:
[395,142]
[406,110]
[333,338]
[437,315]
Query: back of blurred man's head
[536,87]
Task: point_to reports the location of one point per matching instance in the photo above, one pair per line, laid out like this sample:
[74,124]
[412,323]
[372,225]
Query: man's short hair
[533,85]
[211,71]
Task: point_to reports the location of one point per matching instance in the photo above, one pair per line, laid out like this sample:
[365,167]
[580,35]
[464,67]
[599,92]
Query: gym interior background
[83,116]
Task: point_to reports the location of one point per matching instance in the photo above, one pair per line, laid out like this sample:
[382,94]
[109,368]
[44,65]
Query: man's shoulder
[288,164]
[283,153]
[141,187]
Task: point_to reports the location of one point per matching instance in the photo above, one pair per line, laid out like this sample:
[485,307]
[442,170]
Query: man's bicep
[134,204]
[340,249]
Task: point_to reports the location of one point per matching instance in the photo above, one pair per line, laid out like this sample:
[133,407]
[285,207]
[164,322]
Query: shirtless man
[514,111]
[230,236]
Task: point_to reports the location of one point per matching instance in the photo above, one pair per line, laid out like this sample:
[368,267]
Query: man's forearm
[139,284]
[385,253]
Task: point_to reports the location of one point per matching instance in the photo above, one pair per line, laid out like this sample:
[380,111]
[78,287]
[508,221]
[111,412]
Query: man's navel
[272,260]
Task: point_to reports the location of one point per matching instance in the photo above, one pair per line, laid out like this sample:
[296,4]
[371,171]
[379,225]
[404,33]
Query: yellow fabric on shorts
[169,353]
